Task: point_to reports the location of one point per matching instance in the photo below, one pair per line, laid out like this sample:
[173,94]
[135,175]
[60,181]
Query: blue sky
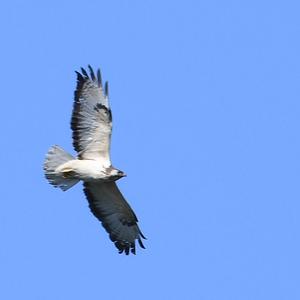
[205,99]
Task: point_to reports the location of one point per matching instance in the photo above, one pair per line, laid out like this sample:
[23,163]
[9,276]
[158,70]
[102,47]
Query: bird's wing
[109,206]
[91,119]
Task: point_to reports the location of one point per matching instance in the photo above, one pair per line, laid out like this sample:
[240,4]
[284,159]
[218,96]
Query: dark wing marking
[91,119]
[109,206]
[92,73]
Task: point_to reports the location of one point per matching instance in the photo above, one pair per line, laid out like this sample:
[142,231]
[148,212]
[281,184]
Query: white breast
[84,169]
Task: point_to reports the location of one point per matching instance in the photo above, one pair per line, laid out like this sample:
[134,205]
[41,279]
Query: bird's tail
[55,157]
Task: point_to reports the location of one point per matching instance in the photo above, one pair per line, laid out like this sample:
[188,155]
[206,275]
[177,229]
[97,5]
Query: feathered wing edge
[117,219]
[83,80]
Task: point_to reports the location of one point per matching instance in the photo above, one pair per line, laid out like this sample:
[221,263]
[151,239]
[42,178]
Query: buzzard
[91,124]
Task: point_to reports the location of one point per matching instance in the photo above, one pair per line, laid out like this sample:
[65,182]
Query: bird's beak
[124,175]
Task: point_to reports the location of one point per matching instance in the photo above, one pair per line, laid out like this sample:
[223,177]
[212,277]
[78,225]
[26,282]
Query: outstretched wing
[91,119]
[109,206]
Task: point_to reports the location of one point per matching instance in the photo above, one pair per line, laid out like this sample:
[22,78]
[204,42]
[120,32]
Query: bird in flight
[91,124]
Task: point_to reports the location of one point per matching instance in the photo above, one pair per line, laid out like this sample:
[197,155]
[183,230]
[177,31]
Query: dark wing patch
[100,106]
[109,206]
[91,119]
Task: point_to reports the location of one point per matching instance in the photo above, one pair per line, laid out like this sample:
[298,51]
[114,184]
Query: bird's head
[116,174]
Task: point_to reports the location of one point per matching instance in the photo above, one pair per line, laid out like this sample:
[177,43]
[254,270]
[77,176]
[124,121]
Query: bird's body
[86,170]
[92,125]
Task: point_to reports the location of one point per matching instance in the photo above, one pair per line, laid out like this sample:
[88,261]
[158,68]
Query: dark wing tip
[141,234]
[99,78]
[85,74]
[79,76]
[141,243]
[130,247]
[106,89]
[92,73]
[127,247]
[133,249]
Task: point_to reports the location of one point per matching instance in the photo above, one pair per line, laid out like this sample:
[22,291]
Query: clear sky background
[205,99]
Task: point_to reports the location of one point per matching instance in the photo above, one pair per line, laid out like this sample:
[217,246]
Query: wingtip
[133,250]
[79,76]
[99,78]
[141,243]
[141,234]
[83,71]
[92,73]
[106,89]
